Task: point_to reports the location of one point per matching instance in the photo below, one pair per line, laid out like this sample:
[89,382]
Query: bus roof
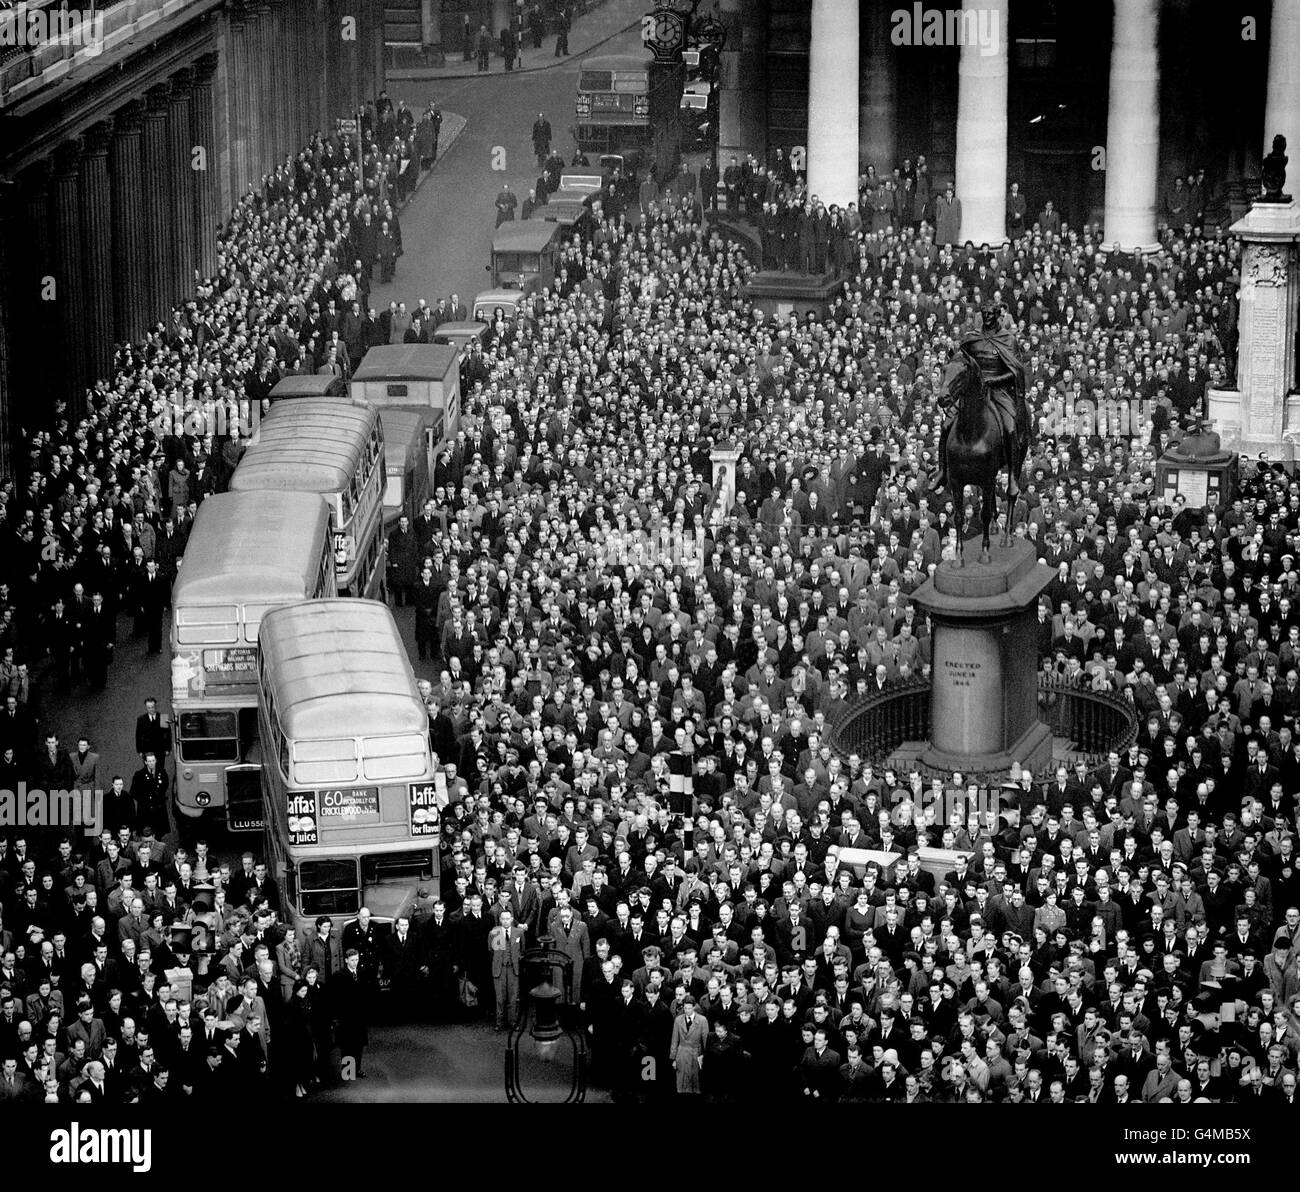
[520,235]
[617,62]
[312,444]
[406,362]
[309,385]
[338,668]
[252,547]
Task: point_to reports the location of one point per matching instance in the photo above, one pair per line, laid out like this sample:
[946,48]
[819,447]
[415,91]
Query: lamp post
[541,1020]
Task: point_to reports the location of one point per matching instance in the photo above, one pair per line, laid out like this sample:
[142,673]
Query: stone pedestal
[1198,469]
[723,457]
[984,680]
[1254,417]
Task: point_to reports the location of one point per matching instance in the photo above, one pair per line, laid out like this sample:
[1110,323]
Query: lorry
[416,388]
[524,254]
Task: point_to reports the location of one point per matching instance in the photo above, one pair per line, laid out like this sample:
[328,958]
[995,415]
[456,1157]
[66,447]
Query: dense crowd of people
[597,615]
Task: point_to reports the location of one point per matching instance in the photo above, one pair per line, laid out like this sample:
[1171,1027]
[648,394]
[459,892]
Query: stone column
[283,80]
[430,24]
[255,121]
[1133,127]
[982,122]
[833,102]
[327,52]
[9,380]
[877,119]
[742,97]
[273,133]
[296,81]
[130,249]
[180,271]
[71,292]
[1282,104]
[307,29]
[237,69]
[156,163]
[37,316]
[97,217]
[264,69]
[203,135]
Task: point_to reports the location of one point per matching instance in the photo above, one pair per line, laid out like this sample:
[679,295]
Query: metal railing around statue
[1086,724]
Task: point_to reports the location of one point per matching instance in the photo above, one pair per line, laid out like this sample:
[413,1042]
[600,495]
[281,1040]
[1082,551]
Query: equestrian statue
[987,427]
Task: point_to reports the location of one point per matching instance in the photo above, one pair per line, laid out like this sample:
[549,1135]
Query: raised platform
[783,294]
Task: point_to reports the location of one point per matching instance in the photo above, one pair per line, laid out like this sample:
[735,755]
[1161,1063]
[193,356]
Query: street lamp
[541,1020]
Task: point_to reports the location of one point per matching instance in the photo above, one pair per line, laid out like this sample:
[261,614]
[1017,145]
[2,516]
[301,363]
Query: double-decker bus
[248,553]
[350,794]
[335,447]
[627,101]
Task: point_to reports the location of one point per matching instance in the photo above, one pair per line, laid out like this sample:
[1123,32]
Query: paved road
[447,228]
[446,1064]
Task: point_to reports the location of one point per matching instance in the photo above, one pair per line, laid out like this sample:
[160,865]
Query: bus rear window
[404,756]
[596,80]
[208,737]
[217,624]
[253,614]
[324,763]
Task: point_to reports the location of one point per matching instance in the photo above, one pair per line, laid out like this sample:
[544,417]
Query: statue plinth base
[984,662]
[1260,413]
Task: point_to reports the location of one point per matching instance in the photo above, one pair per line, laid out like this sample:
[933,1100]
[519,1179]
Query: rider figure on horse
[993,349]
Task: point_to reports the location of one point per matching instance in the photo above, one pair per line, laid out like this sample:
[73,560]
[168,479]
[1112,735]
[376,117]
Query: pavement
[461,1063]
[589,31]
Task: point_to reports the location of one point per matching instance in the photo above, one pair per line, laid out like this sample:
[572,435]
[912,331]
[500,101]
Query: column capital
[96,140]
[37,175]
[156,101]
[204,69]
[180,84]
[128,119]
[67,159]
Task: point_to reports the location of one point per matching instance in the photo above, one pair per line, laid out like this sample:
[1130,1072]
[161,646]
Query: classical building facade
[124,145]
[1096,105]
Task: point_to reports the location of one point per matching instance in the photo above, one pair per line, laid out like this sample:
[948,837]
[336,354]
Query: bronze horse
[980,445]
